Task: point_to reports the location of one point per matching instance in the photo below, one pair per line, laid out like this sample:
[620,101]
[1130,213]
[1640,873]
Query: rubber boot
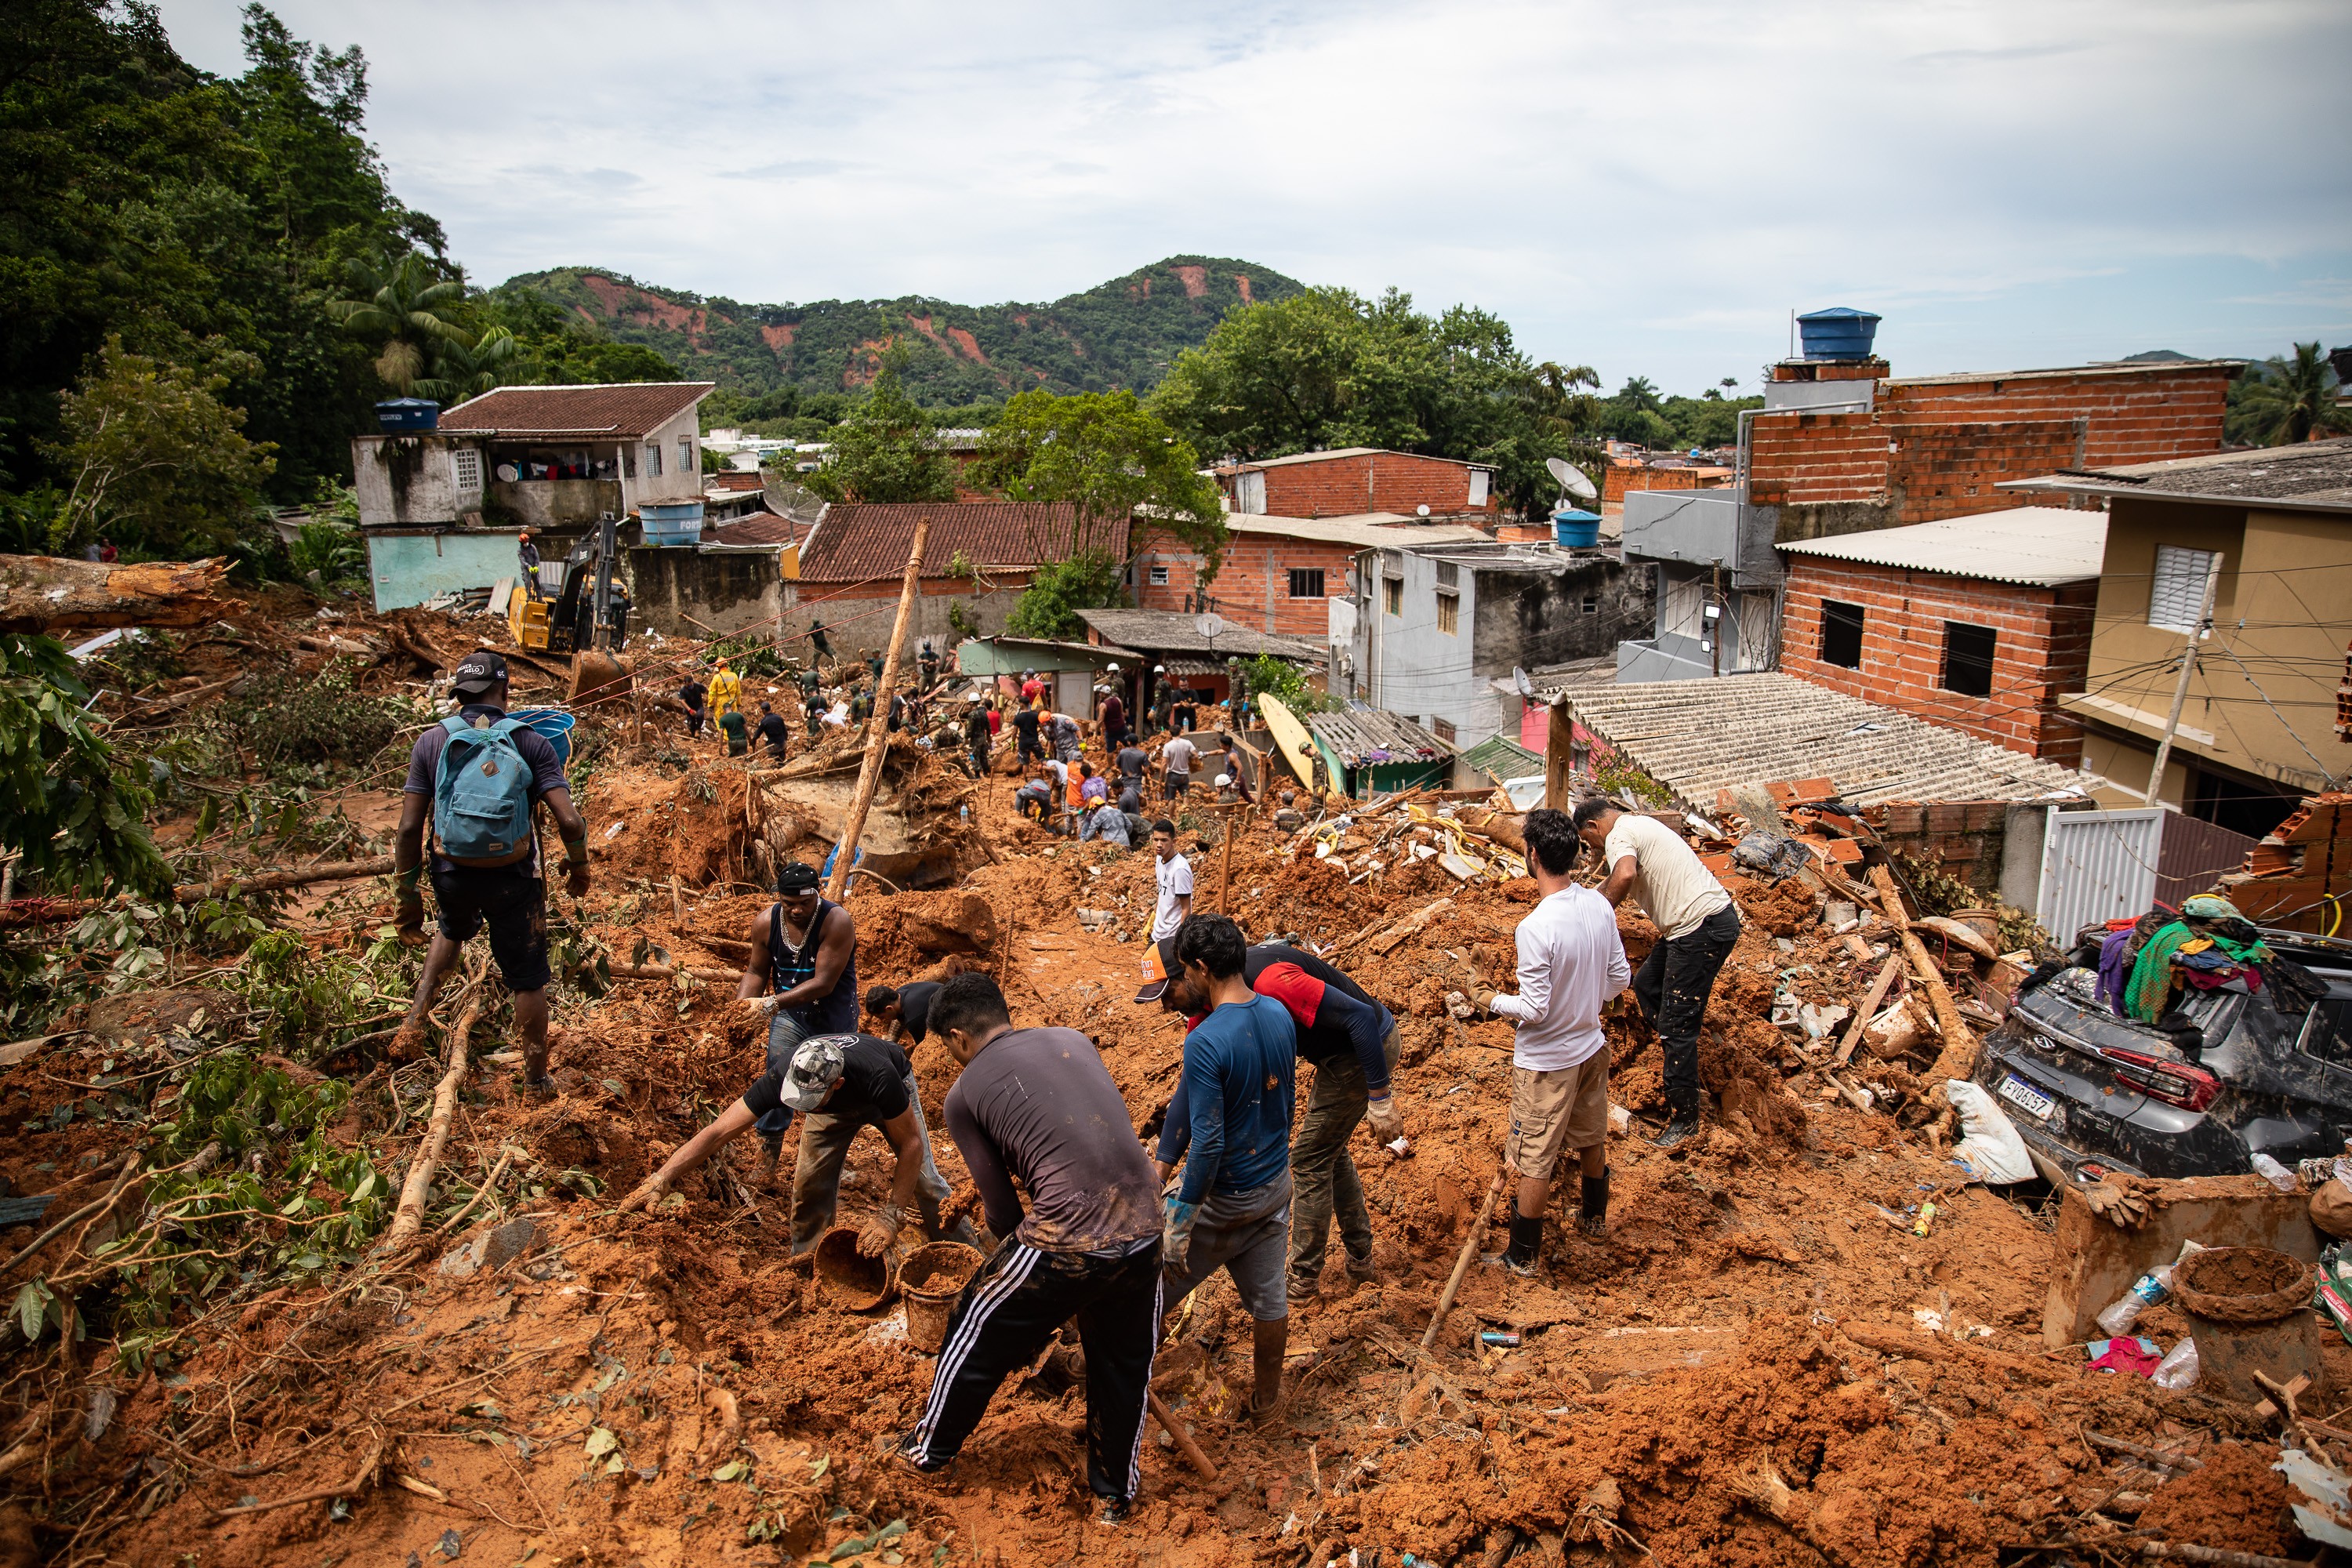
[1527,1239]
[1680,1126]
[1593,1208]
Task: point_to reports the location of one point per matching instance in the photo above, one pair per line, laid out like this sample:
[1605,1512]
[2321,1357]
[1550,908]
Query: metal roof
[2315,475]
[1504,757]
[2040,546]
[1741,732]
[1366,531]
[611,409]
[1174,631]
[1355,734]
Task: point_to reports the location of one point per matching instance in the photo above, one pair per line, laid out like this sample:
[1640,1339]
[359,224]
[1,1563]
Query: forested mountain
[1122,334]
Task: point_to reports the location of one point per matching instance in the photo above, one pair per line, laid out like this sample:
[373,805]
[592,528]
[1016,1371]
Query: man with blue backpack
[478,775]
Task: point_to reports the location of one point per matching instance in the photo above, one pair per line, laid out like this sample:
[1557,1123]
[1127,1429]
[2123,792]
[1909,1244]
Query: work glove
[1382,1114]
[1176,1234]
[881,1231]
[1483,997]
[409,911]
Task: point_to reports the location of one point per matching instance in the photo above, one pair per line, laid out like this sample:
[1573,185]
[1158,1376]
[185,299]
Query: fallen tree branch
[352,1488]
[409,1217]
[57,911]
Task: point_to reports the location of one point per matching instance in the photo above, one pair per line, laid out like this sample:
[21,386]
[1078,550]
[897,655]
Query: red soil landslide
[1757,1366]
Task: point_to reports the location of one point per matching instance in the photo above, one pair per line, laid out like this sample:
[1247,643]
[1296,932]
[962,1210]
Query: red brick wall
[2041,648]
[1378,482]
[1253,588]
[1624,477]
[1937,449]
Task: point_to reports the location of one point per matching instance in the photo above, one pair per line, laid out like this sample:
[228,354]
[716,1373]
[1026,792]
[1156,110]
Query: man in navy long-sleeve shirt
[1351,1042]
[1232,1210]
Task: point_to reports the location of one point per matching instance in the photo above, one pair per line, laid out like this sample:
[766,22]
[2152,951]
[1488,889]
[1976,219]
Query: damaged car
[2230,1076]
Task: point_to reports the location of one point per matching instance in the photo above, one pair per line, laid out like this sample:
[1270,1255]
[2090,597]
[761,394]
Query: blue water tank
[398,415]
[1574,530]
[1840,332]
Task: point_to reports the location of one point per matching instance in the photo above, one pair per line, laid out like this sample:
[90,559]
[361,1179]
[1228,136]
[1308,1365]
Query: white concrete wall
[410,479]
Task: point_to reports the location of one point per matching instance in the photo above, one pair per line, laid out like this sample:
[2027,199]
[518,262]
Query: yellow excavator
[579,620]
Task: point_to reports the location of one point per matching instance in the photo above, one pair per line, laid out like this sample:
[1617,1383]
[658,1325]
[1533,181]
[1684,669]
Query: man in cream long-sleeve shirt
[1570,963]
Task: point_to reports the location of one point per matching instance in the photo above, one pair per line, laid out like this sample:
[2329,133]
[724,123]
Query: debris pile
[278,1297]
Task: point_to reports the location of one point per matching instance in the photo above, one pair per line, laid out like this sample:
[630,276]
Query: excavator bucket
[599,674]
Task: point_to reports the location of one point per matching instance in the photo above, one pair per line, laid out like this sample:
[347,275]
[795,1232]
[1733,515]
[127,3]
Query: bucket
[931,1279]
[2249,1310]
[852,1282]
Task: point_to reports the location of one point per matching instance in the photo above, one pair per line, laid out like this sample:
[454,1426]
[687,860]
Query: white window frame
[461,460]
[1158,574]
[2176,593]
[1479,479]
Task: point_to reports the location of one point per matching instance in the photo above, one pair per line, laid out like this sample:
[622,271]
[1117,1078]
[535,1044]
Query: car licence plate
[2016,1091]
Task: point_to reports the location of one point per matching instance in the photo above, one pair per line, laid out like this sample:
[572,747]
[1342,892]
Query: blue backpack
[481,798]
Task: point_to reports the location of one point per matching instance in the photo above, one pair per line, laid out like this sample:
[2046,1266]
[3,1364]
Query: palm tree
[2293,401]
[463,370]
[407,306]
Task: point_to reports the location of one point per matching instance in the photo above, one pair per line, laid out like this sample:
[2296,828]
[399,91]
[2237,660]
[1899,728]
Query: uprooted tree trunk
[50,593]
[54,912]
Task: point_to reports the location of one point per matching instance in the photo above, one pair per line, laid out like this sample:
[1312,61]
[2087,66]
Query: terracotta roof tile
[858,542]
[624,409]
[758,527]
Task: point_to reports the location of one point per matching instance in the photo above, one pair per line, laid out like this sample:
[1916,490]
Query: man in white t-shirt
[1178,756]
[1698,924]
[1174,874]
[1570,963]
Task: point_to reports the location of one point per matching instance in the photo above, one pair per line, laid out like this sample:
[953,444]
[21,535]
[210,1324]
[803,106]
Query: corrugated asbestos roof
[2316,475]
[1371,531]
[1741,732]
[2040,546]
[1357,734]
[1175,631]
[1338,452]
[1503,757]
[860,542]
[618,409]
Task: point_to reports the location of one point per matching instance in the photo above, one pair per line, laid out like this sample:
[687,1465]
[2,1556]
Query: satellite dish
[1519,680]
[1210,624]
[1571,477]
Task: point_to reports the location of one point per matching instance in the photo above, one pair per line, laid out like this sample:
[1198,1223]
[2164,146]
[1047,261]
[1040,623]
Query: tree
[462,370]
[886,448]
[1328,368]
[2285,401]
[1109,459]
[1048,607]
[154,459]
[409,306]
[74,820]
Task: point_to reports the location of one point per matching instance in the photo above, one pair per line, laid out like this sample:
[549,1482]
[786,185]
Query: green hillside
[1122,334]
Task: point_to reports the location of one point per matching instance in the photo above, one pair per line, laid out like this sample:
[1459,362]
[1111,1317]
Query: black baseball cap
[479,671]
[797,877]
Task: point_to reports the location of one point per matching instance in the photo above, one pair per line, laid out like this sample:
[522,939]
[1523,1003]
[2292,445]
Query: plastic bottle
[2273,1173]
[2147,1290]
[2178,1370]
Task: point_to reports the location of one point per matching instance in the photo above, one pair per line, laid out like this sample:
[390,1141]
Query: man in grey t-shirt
[1178,756]
[1039,1105]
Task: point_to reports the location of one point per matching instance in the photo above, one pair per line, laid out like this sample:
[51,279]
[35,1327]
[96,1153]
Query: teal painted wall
[407,569]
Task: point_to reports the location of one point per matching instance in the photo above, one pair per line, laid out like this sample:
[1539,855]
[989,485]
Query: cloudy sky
[1649,189]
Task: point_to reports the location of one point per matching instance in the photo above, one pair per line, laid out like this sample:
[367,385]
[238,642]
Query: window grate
[1159,577]
[1306,581]
[2177,592]
[466,469]
[1449,613]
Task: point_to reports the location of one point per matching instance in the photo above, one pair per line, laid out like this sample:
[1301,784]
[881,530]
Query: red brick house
[1908,449]
[1353,480]
[1978,623]
[855,558]
[1279,573]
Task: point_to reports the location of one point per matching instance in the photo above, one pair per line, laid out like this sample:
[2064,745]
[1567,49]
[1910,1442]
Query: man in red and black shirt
[1352,1041]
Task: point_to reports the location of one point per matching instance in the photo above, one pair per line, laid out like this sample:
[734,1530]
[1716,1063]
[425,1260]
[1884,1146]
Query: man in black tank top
[803,977]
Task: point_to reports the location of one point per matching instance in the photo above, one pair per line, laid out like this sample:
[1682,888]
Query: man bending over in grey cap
[838,1084]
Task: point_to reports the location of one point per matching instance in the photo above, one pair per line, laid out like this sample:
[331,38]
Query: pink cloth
[2135,1356]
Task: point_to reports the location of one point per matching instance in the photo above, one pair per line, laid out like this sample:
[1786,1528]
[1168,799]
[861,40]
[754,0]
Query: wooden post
[1462,1262]
[1959,1056]
[1557,763]
[877,736]
[1225,866]
[2180,687]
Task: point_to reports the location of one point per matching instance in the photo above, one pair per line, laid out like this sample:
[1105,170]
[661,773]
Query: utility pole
[1712,619]
[878,725]
[2180,687]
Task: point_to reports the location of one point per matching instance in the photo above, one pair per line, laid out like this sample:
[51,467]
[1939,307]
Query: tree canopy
[886,450]
[2287,400]
[1328,368]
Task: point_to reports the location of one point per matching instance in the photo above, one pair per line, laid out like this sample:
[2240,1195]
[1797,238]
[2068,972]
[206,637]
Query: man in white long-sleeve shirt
[1571,961]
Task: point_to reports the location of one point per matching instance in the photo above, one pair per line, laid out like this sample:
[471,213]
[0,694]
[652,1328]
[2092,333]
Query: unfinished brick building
[1278,573]
[1350,481]
[1979,623]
